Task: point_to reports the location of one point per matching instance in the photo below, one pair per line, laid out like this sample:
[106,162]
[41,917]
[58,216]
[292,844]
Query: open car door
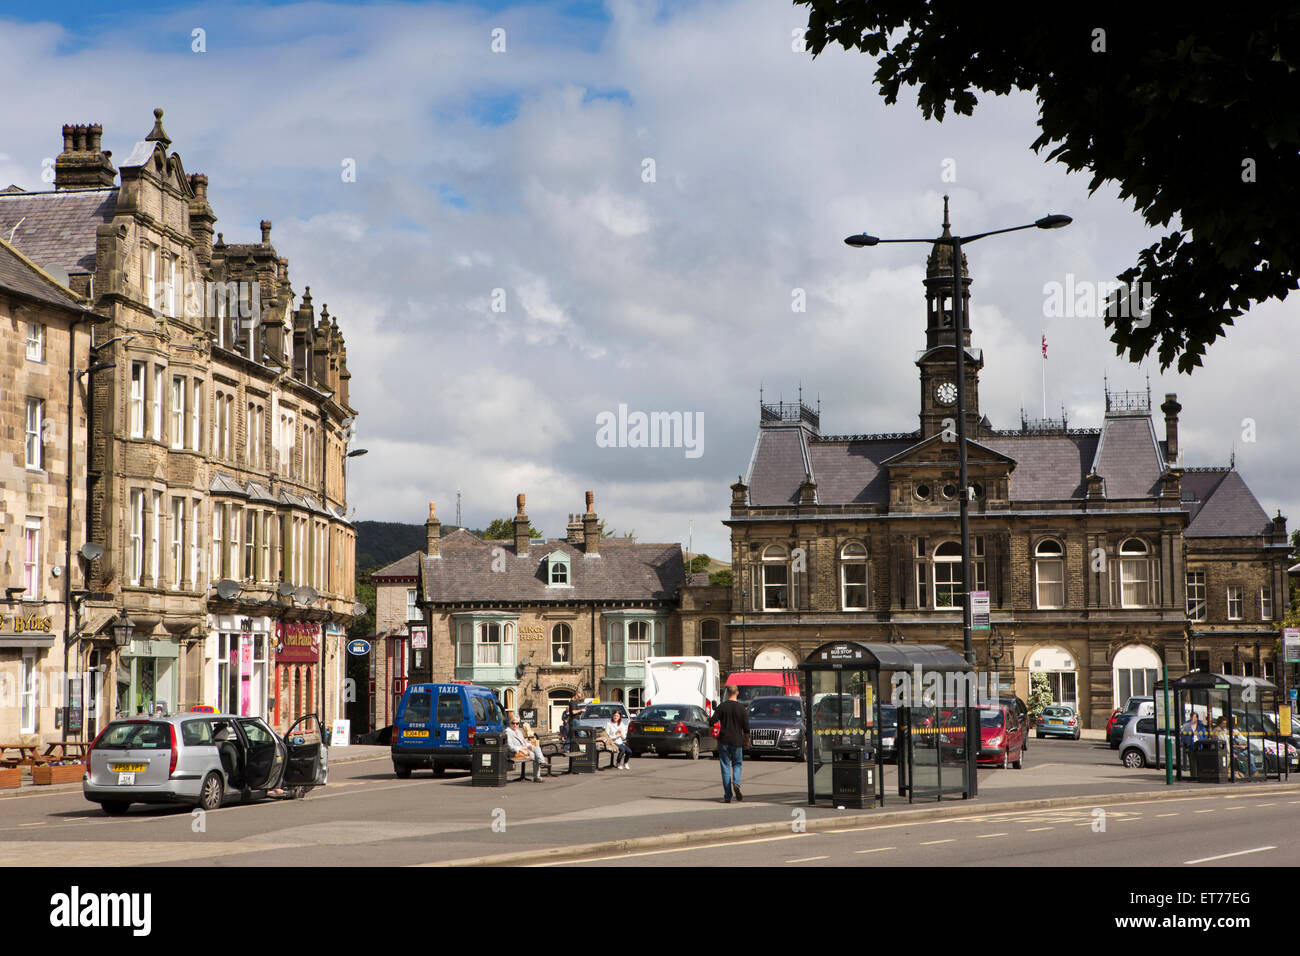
[265,762]
[306,764]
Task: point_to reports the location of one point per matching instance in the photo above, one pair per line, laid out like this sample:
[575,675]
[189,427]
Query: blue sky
[524,170]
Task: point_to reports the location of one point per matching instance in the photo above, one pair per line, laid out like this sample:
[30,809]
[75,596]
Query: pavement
[366,816]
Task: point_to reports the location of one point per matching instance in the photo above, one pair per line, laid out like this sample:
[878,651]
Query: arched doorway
[557,702]
[1134,672]
[774,659]
[1060,667]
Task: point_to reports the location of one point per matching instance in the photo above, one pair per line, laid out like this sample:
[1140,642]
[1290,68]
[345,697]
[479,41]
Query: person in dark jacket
[733,737]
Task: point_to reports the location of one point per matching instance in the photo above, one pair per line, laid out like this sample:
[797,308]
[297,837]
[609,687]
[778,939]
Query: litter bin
[852,777]
[1209,761]
[489,761]
[584,758]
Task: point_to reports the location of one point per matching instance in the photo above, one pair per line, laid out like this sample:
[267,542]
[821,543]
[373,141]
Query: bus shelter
[1222,728]
[864,702]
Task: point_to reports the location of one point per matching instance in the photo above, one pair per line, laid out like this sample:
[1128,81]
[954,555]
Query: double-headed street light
[959,343]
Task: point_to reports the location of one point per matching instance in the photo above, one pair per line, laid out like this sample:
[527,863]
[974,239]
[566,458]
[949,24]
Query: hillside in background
[382,542]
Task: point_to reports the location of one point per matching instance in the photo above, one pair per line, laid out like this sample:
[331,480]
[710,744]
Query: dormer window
[557,570]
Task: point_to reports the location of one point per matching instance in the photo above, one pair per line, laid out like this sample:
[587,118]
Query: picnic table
[29,755]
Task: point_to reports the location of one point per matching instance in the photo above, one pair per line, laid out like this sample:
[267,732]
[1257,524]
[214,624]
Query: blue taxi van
[436,725]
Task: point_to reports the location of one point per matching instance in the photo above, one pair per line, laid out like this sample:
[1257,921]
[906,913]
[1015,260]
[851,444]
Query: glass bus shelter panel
[955,770]
[923,725]
[842,708]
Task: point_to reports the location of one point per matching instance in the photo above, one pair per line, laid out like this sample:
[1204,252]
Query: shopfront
[297,671]
[238,648]
[148,675]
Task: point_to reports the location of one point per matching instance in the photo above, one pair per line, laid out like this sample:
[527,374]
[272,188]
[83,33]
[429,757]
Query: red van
[784,683]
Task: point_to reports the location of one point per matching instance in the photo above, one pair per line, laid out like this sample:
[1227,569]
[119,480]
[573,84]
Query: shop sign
[358,648]
[1291,640]
[18,624]
[419,639]
[297,642]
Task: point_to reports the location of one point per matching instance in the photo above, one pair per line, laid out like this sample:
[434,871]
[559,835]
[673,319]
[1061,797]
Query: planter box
[68,773]
[11,778]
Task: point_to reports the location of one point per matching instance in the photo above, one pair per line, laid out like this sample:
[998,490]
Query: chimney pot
[519,505]
[68,131]
[266,231]
[591,502]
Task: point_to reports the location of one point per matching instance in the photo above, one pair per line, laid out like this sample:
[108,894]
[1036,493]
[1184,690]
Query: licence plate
[1056,721]
[127,767]
[764,743]
[653,730]
[415,733]
[453,735]
[126,779]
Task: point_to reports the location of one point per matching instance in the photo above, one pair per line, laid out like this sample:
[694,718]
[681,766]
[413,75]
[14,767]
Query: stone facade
[217,443]
[1083,539]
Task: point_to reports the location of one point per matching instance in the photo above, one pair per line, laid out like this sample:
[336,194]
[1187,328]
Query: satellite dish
[305,595]
[286,589]
[227,589]
[359,609]
[92,551]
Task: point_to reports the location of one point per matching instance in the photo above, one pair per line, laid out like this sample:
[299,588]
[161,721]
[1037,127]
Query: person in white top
[519,744]
[617,734]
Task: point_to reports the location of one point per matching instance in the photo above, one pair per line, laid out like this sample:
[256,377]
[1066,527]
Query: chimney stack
[573,531]
[1171,408]
[266,232]
[432,534]
[83,164]
[521,527]
[591,527]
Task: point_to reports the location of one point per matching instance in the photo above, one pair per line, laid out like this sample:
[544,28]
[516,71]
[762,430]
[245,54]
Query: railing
[789,412]
[1128,401]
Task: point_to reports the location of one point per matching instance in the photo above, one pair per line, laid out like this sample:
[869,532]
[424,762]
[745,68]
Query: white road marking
[1166,814]
[879,849]
[1202,811]
[933,842]
[1036,829]
[808,859]
[1224,856]
[986,836]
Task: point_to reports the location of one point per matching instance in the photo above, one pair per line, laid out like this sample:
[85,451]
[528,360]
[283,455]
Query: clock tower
[938,363]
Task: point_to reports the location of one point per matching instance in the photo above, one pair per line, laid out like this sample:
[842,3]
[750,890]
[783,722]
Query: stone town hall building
[1104,558]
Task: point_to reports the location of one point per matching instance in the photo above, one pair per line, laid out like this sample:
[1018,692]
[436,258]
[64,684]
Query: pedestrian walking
[733,737]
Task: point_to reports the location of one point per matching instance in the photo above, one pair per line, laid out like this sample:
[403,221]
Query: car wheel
[212,792]
[694,752]
[802,755]
[439,769]
[1077,734]
[1019,762]
[115,808]
[1134,758]
[1005,754]
[403,771]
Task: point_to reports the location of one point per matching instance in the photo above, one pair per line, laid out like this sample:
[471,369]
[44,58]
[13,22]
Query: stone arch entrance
[557,701]
[1134,670]
[775,657]
[1061,667]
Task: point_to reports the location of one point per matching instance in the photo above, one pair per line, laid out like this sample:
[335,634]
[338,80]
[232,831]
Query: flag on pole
[1044,345]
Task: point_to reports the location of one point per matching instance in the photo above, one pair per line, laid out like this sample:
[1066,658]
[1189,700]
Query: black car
[671,729]
[776,728]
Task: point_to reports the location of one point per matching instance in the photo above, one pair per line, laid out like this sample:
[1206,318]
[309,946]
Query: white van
[681,680]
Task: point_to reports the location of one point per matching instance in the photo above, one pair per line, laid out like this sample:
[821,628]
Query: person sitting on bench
[523,750]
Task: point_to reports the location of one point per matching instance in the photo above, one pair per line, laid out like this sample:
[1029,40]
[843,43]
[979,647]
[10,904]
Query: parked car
[596,716]
[1058,720]
[1002,737]
[1142,744]
[202,760]
[752,684]
[436,724]
[776,727]
[671,728]
[1021,710]
[1119,720]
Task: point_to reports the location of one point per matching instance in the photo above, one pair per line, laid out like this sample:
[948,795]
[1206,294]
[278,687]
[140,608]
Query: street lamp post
[959,343]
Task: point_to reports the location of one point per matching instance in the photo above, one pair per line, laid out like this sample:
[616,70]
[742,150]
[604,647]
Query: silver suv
[202,759]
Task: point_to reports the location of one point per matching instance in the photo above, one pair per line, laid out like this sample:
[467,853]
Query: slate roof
[629,571]
[1222,506]
[1048,467]
[19,274]
[1129,458]
[57,227]
[407,567]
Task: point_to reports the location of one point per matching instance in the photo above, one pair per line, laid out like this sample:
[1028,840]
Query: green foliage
[721,578]
[503,529]
[699,564]
[1040,694]
[1187,110]
[380,543]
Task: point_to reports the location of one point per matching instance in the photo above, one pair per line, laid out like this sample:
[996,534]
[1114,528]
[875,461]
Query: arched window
[853,576]
[1135,573]
[711,639]
[508,699]
[561,644]
[1049,571]
[776,579]
[947,574]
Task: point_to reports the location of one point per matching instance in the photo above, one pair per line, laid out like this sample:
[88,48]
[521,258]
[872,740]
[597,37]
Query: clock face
[945,393]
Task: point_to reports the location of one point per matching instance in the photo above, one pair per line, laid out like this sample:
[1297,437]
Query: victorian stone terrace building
[217,439]
[1104,558]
